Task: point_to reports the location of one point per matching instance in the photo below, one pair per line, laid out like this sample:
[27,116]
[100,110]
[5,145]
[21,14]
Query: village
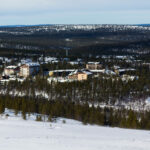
[87,70]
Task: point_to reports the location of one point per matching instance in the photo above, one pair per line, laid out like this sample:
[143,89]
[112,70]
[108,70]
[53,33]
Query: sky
[29,12]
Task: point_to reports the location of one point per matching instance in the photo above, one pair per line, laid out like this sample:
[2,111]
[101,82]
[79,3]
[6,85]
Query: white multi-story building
[11,70]
[29,69]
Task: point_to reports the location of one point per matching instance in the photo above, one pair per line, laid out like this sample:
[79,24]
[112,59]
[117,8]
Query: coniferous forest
[102,99]
[79,100]
[88,115]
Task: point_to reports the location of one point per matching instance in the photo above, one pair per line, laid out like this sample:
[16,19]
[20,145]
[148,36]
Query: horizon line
[11,25]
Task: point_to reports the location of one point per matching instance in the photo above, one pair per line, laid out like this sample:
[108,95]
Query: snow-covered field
[17,134]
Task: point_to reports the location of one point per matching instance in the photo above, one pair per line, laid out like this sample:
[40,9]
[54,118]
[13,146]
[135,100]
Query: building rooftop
[80,72]
[32,64]
[94,63]
[11,67]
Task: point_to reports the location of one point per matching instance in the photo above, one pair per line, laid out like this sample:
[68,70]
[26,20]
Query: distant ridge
[37,25]
[145,25]
[13,26]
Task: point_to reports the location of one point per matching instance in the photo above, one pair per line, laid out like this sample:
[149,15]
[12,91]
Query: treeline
[104,89]
[92,115]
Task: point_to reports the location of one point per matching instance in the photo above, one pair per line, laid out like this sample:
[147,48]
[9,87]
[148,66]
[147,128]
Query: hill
[18,134]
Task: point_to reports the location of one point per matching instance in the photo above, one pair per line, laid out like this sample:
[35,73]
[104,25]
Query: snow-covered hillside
[29,30]
[17,134]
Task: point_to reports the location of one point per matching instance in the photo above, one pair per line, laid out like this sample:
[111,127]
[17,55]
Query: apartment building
[80,75]
[29,69]
[11,70]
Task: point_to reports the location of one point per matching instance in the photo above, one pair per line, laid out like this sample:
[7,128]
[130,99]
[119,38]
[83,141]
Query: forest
[88,115]
[77,100]
[52,40]
[88,101]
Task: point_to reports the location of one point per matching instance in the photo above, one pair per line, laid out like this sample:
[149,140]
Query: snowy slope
[17,134]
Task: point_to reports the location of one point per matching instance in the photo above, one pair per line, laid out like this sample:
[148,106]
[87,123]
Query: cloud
[30,10]
[71,5]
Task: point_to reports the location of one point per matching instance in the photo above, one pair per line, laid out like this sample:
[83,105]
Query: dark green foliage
[92,115]
[24,115]
[38,118]
[64,121]
[2,107]
[82,42]
[107,89]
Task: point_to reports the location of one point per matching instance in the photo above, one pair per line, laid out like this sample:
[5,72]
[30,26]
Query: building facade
[11,70]
[93,66]
[29,69]
[80,75]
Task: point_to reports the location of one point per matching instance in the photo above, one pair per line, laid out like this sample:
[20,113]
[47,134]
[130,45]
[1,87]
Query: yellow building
[80,75]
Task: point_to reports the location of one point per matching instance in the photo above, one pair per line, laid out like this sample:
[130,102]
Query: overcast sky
[13,12]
